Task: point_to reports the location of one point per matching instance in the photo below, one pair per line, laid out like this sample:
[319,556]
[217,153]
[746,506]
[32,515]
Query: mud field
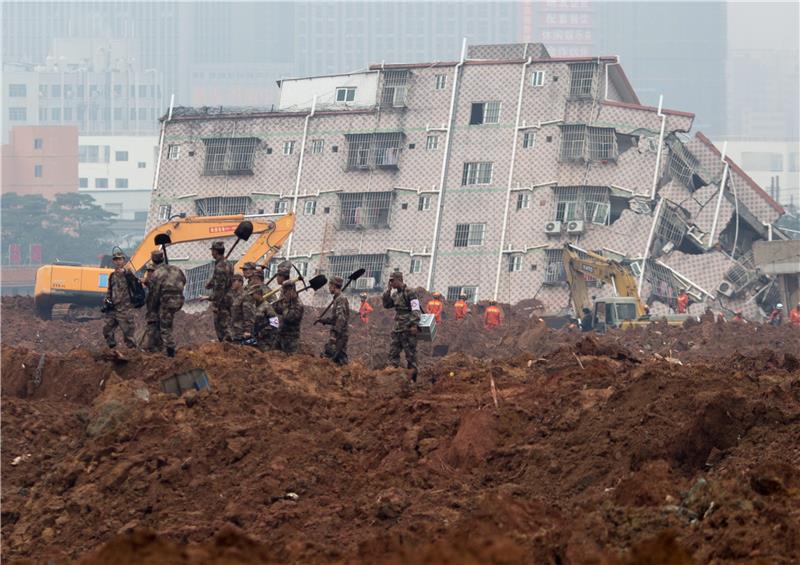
[521,445]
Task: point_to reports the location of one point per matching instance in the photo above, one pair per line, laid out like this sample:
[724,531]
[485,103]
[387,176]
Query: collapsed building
[471,176]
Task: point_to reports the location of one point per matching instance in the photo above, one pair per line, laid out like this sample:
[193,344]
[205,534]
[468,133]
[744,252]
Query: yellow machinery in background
[82,285]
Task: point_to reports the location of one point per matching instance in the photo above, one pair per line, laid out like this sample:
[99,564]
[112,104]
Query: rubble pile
[524,445]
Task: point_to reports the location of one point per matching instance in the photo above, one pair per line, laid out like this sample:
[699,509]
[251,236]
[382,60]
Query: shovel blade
[357,274]
[163,239]
[244,230]
[318,282]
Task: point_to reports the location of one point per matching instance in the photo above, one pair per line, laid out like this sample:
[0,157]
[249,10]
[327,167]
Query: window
[343,265]
[368,150]
[528,139]
[515,263]
[590,203]
[133,114]
[230,155]
[222,205]
[441,82]
[310,208]
[67,114]
[554,266]
[453,292]
[100,183]
[56,114]
[602,144]
[281,206]
[581,78]
[43,90]
[68,91]
[83,182]
[523,201]
[37,171]
[671,225]
[17,114]
[573,142]
[141,165]
[416,266]
[142,114]
[537,78]
[38,143]
[120,155]
[581,143]
[395,88]
[317,146]
[196,279]
[173,152]
[288,147]
[56,90]
[93,153]
[484,113]
[42,114]
[118,90]
[432,142]
[477,173]
[346,94]
[164,212]
[365,210]
[79,91]
[682,166]
[424,203]
[120,183]
[17,90]
[469,235]
[142,91]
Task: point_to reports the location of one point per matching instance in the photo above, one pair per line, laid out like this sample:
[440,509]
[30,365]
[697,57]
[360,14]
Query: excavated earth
[519,445]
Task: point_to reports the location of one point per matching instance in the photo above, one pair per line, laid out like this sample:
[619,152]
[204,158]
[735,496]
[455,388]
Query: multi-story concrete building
[94,84]
[471,175]
[41,160]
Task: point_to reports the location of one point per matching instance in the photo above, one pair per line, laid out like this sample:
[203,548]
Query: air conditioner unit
[552,228]
[575,226]
[365,283]
[726,289]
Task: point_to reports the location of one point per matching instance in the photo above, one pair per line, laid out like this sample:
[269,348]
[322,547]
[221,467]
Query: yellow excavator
[78,285]
[623,310]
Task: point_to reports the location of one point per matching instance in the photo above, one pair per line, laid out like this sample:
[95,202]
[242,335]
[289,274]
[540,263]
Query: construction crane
[83,285]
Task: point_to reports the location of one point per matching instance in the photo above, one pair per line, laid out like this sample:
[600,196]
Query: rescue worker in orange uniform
[794,316]
[435,306]
[683,301]
[737,317]
[365,309]
[460,306]
[492,315]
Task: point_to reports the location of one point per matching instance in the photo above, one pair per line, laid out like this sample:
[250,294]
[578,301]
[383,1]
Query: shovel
[353,276]
[315,284]
[243,232]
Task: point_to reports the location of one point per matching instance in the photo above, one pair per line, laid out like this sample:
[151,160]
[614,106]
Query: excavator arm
[269,242]
[601,268]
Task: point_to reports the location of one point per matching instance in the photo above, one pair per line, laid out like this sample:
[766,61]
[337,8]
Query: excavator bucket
[244,230]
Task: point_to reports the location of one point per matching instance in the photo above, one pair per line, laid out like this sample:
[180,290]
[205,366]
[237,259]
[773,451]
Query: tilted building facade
[471,175]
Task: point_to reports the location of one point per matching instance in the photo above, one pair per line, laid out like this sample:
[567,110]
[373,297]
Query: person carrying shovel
[337,318]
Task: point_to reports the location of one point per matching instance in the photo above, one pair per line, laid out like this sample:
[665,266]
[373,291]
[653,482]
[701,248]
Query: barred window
[164,212]
[310,208]
[602,144]
[581,78]
[484,113]
[415,266]
[453,293]
[590,203]
[573,143]
[432,142]
[528,139]
[317,146]
[281,206]
[230,155]
[664,286]
[682,165]
[365,210]
[222,205]
[671,225]
[743,272]
[554,266]
[344,265]
[441,82]
[196,279]
[395,88]
[424,203]
[469,235]
[523,201]
[476,173]
[580,143]
[514,263]
[370,150]
[288,147]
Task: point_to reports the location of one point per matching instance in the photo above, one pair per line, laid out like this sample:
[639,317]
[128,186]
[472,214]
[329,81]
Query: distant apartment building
[774,165]
[472,175]
[96,85]
[117,171]
[41,160]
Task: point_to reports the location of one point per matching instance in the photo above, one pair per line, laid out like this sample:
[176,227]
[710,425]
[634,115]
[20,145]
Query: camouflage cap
[218,246]
[284,268]
[338,281]
[237,277]
[249,266]
[157,255]
[257,274]
[397,275]
[118,254]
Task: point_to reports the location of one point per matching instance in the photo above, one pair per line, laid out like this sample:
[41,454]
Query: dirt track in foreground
[597,451]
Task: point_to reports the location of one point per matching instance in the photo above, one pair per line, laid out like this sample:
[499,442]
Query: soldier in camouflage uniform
[219,285]
[337,317]
[167,284]
[237,313]
[118,308]
[290,313]
[266,325]
[407,316]
[282,274]
[151,341]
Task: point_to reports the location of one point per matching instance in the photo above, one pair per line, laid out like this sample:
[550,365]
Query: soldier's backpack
[135,290]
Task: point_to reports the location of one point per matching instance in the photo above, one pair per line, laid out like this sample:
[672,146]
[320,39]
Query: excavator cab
[614,312]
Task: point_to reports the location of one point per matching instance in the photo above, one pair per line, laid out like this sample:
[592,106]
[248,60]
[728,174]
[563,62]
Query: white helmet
[779,306]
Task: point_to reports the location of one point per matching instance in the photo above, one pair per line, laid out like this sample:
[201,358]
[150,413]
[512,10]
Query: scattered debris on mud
[658,444]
